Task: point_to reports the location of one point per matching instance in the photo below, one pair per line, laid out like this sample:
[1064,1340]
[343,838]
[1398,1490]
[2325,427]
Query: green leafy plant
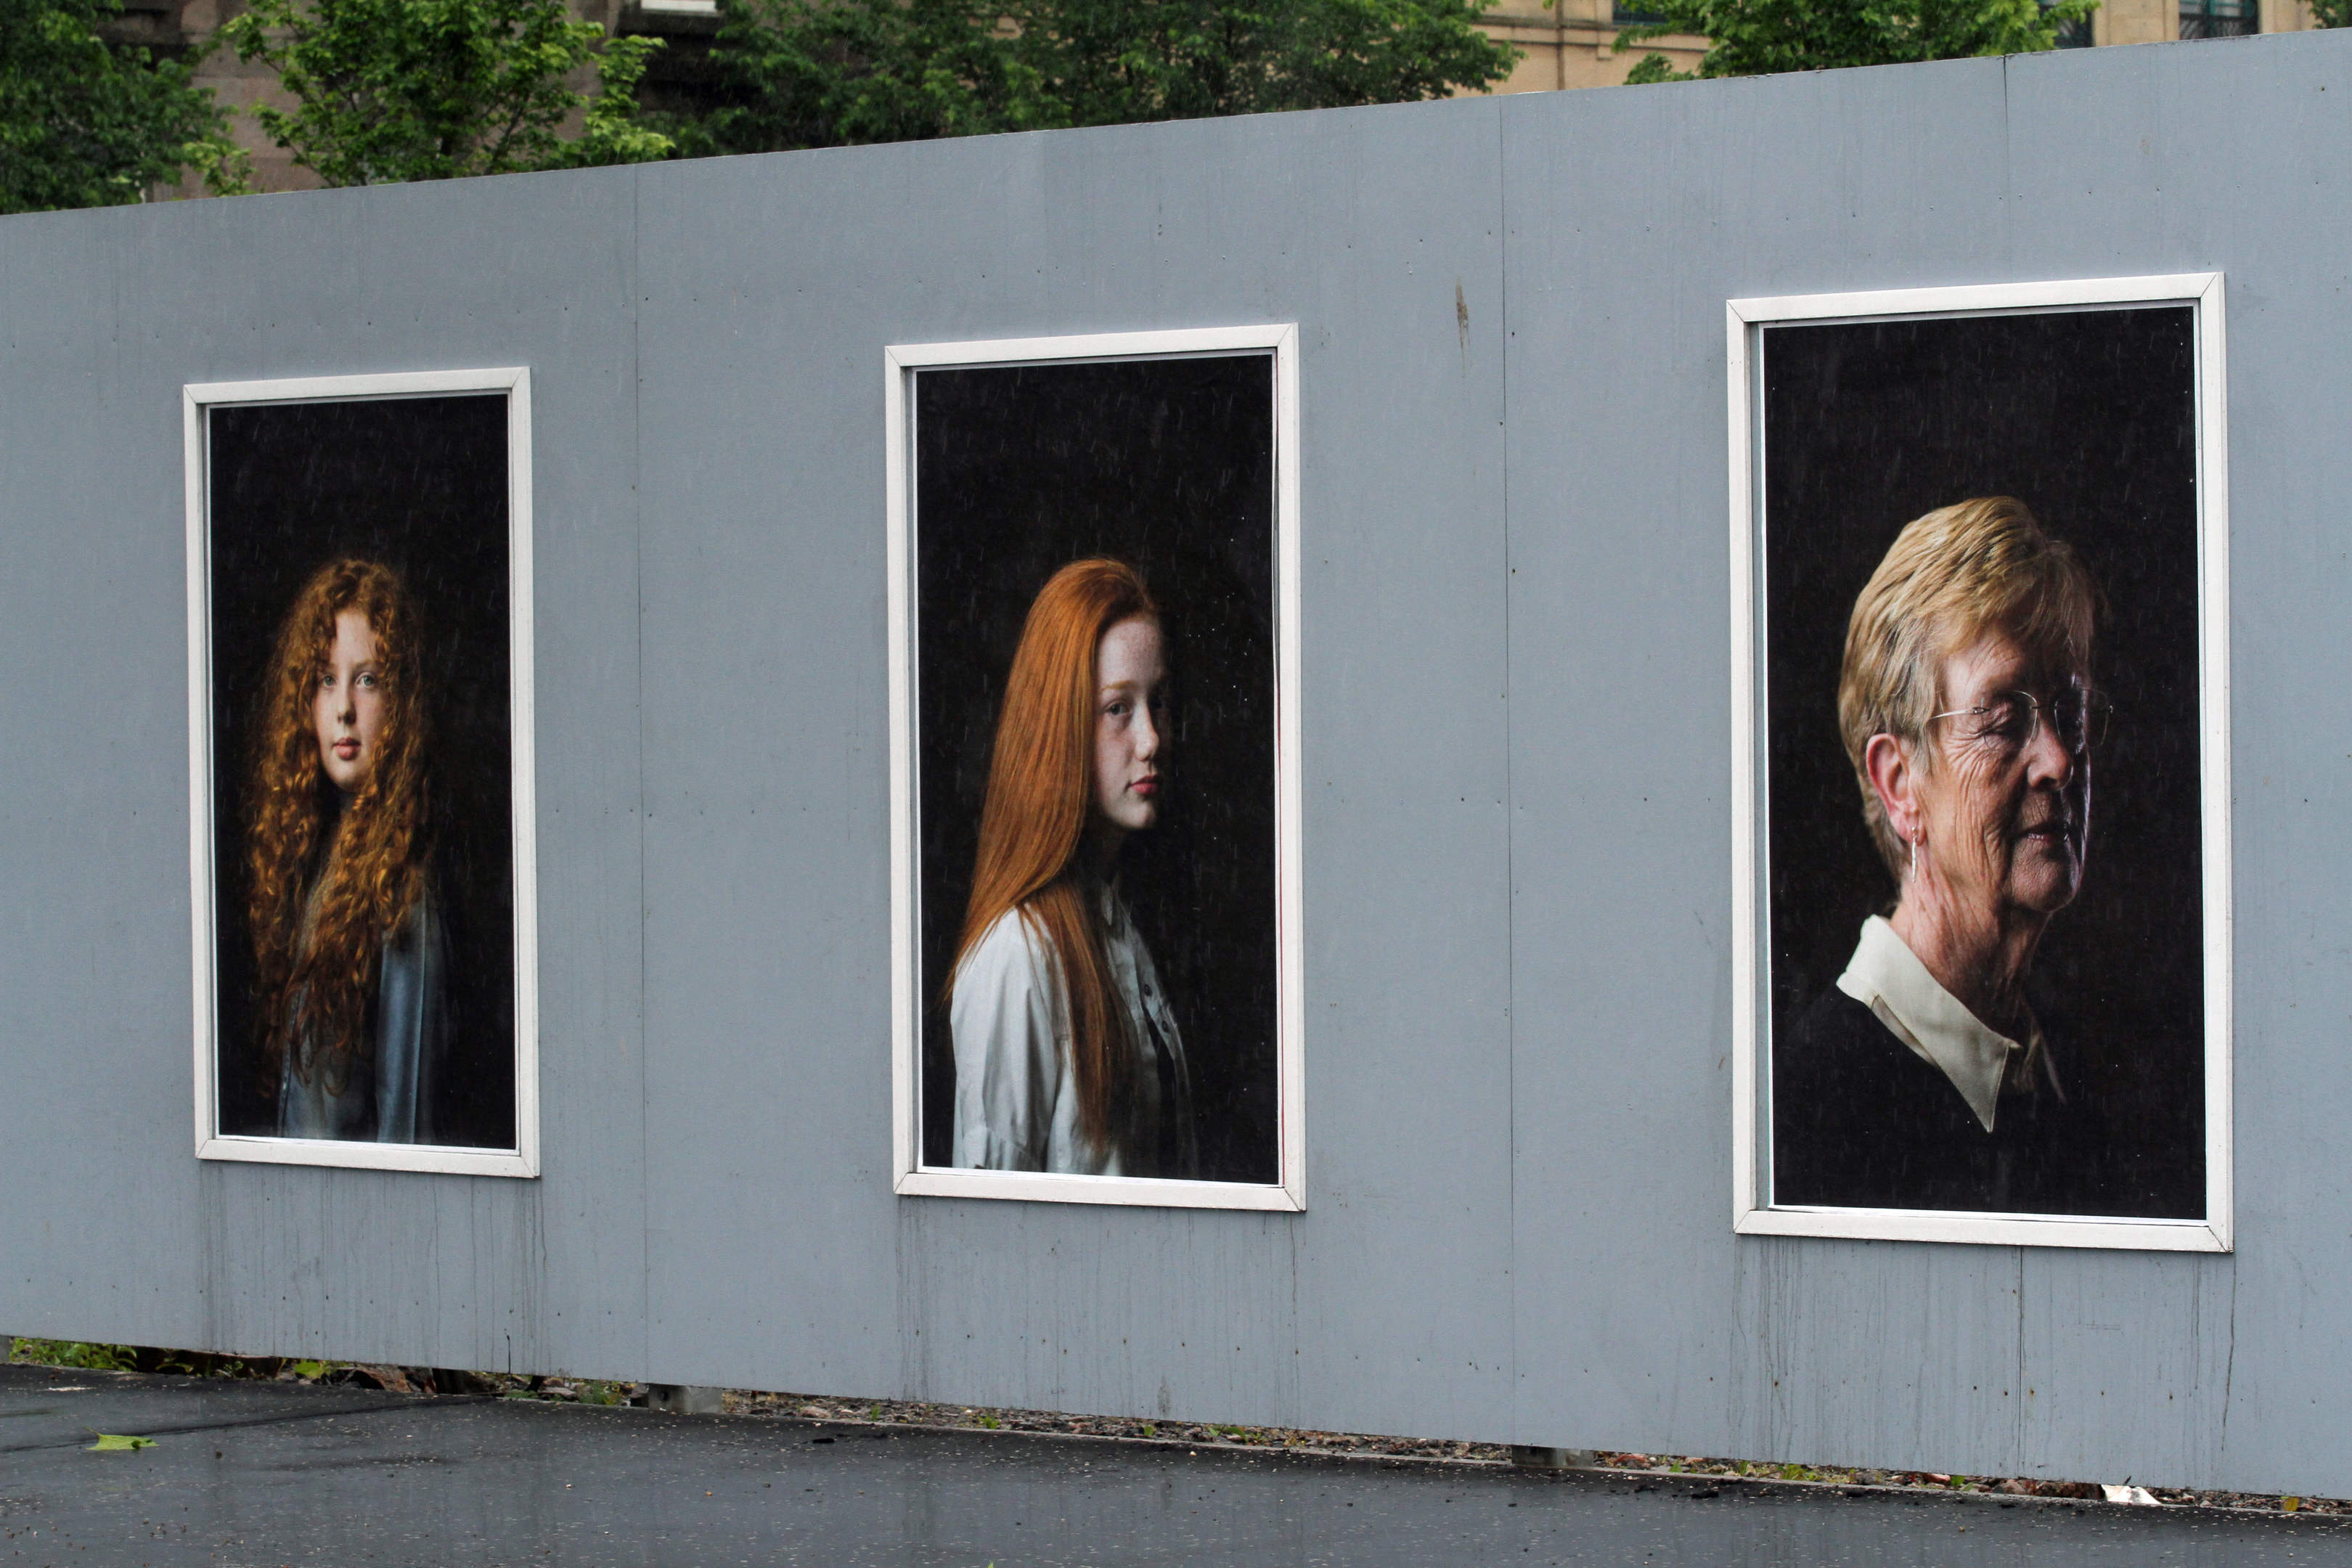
[815,73]
[88,123]
[431,89]
[1760,38]
[189,1363]
[73,1353]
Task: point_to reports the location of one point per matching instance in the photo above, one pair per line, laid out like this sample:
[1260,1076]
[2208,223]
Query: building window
[2218,19]
[1633,14]
[2075,33]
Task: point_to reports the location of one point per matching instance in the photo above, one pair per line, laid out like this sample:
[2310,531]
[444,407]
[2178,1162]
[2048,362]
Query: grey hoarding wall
[1516,748]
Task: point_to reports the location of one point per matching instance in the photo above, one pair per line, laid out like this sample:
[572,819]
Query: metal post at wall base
[683,1398]
[1534,1459]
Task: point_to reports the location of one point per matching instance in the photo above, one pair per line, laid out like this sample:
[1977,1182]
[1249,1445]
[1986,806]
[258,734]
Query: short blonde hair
[1952,576]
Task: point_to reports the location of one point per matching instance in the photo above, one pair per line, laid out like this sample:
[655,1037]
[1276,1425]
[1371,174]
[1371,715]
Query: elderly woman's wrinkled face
[2005,806]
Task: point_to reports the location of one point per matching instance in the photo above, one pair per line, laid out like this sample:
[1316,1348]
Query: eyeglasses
[2007,722]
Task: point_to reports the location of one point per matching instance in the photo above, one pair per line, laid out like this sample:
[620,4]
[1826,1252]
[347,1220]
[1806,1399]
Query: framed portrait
[360,771]
[1095,784]
[1981,783]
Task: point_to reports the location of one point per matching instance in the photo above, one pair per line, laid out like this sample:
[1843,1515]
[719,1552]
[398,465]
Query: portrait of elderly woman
[1985,551]
[1922,1078]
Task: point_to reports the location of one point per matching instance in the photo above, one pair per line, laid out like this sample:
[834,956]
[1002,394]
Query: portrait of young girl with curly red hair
[347,943]
[361,633]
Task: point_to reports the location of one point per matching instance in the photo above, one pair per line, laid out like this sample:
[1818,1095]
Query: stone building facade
[1572,43]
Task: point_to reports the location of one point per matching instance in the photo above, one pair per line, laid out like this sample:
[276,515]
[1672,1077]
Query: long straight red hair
[1040,793]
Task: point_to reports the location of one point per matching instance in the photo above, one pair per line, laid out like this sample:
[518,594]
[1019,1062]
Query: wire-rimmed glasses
[2007,722]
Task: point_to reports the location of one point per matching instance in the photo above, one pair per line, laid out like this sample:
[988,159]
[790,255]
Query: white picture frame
[912,1177]
[1753,1213]
[197,400]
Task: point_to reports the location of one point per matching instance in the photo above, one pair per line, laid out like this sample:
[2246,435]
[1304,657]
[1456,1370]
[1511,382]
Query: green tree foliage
[434,90]
[85,123]
[1757,37]
[2332,13]
[823,73]
[847,72]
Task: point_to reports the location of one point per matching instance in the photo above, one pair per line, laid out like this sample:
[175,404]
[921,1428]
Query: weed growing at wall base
[1625,1467]
[73,1353]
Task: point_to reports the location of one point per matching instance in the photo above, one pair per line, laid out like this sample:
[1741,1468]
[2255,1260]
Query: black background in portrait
[2089,418]
[1168,466]
[421,484]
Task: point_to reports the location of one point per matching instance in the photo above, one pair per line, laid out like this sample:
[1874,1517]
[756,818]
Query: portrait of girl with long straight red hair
[1067,1056]
[350,958]
[1095,933]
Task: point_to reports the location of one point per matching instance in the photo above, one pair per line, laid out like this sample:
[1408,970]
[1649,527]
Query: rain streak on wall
[1517,751]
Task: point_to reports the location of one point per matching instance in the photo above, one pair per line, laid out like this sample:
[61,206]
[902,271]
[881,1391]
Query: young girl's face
[347,709]
[1131,724]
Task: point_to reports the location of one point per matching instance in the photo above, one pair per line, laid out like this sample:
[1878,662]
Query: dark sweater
[1859,1121]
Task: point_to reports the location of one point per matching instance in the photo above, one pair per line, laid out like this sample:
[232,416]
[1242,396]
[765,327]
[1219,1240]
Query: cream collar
[1886,976]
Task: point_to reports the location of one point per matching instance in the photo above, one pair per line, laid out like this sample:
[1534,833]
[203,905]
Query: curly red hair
[354,880]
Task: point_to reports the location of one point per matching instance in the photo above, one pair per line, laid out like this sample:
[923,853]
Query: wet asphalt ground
[256,1474]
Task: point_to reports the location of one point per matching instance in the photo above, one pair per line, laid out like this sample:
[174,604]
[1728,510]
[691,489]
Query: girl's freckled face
[1130,725]
[347,709]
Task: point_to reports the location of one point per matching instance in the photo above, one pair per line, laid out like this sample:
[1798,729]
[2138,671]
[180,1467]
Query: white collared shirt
[1886,976]
[1016,1098]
